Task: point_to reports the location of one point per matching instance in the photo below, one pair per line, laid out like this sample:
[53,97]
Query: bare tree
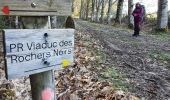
[93,10]
[119,11]
[130,10]
[162,19]
[98,6]
[87,9]
[102,10]
[84,11]
[109,11]
[73,1]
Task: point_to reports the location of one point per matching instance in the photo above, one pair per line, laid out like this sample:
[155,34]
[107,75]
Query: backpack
[143,13]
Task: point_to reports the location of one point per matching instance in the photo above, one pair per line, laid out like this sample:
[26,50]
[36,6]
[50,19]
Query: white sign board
[30,51]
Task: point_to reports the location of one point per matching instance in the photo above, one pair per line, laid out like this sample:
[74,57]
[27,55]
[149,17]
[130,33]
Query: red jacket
[137,13]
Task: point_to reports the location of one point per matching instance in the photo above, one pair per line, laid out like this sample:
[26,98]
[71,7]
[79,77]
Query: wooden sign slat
[41,8]
[30,51]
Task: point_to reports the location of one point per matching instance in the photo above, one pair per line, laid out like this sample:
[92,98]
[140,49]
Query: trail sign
[30,51]
[35,7]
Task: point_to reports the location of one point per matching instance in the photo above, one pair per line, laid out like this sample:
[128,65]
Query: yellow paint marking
[65,63]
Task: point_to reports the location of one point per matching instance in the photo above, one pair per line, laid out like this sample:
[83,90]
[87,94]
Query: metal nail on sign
[35,7]
[30,51]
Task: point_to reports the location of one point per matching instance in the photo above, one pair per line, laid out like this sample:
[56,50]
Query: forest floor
[144,61]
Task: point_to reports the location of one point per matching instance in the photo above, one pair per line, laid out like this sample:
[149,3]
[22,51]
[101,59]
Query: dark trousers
[136,30]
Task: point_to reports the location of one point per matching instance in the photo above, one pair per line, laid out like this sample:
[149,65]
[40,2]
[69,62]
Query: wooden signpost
[36,52]
[31,51]
[35,7]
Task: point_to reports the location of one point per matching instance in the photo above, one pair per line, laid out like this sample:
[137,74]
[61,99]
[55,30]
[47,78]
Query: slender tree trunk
[130,10]
[72,8]
[93,10]
[81,10]
[97,15]
[119,11]
[84,9]
[109,11]
[102,11]
[87,9]
[98,3]
[162,19]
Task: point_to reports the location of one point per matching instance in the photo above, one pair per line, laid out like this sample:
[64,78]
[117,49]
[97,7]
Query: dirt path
[144,60]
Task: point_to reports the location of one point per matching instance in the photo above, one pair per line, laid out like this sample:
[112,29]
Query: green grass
[112,73]
[165,56]
[162,56]
[102,56]
[160,35]
[118,80]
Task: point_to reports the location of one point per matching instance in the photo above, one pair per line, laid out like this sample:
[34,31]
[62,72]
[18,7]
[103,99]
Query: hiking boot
[135,35]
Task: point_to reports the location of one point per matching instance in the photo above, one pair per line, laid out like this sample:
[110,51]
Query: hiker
[138,17]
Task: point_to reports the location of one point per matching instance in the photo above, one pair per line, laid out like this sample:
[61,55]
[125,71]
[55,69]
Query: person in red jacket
[137,13]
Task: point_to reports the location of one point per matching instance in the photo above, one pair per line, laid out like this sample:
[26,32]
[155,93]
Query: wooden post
[42,84]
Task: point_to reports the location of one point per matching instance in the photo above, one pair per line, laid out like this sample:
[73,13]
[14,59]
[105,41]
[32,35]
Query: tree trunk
[119,11]
[162,19]
[130,17]
[109,11]
[73,1]
[84,9]
[102,11]
[93,10]
[97,15]
[98,3]
[81,9]
[87,9]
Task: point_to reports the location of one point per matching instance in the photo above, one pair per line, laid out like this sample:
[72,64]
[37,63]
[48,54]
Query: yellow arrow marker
[65,63]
